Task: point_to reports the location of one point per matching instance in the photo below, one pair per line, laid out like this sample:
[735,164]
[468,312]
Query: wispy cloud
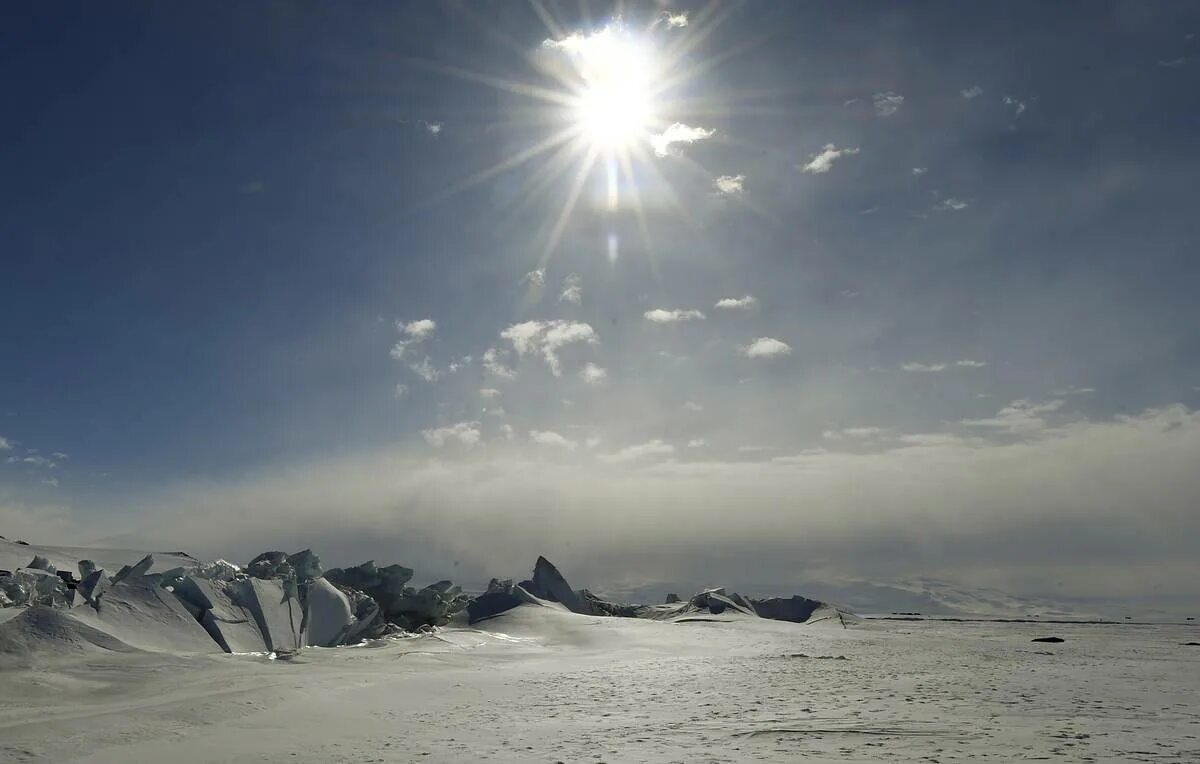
[434,128]
[593,374]
[942,365]
[535,278]
[414,333]
[951,204]
[425,370]
[465,433]
[823,160]
[400,390]
[678,133]
[972,92]
[546,338]
[572,290]
[1019,417]
[697,443]
[550,438]
[730,185]
[5,444]
[652,448]
[1072,390]
[1018,105]
[887,104]
[662,316]
[693,407]
[856,433]
[918,171]
[493,363]
[746,302]
[489,392]
[766,347]
[1172,63]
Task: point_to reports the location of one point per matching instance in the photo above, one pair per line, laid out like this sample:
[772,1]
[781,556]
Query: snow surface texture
[142,678]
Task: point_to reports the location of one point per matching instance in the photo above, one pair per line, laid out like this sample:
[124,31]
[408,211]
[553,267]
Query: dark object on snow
[796,609]
[1047,639]
[1191,644]
[672,598]
[23,543]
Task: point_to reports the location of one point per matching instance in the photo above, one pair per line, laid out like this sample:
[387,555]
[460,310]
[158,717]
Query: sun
[614,104]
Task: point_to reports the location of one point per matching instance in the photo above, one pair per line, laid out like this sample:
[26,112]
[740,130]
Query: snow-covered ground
[538,684]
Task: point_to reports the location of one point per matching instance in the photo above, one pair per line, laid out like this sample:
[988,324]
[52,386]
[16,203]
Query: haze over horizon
[748,294]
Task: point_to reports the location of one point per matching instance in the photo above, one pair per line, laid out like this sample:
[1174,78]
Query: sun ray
[585,168]
[509,163]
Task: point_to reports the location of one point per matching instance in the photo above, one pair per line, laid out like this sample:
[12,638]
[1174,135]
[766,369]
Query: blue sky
[257,275]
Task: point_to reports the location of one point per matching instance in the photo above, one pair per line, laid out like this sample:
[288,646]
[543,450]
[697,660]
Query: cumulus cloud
[918,171]
[730,185]
[434,128]
[972,92]
[677,133]
[400,390]
[672,19]
[489,392]
[887,104]
[745,302]
[653,448]
[950,204]
[661,316]
[5,444]
[823,160]
[494,364]
[546,338]
[964,363]
[549,438]
[766,347]
[693,407]
[697,443]
[466,433]
[593,374]
[572,290]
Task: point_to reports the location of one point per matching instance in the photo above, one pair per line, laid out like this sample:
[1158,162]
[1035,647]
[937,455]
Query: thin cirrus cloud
[464,433]
[653,448]
[663,316]
[766,347]
[677,133]
[822,161]
[546,338]
[942,365]
[888,103]
[746,302]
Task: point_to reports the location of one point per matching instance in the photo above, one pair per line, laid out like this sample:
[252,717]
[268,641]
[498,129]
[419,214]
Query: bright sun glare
[614,107]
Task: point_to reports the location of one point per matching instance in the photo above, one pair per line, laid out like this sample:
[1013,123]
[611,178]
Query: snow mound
[42,631]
